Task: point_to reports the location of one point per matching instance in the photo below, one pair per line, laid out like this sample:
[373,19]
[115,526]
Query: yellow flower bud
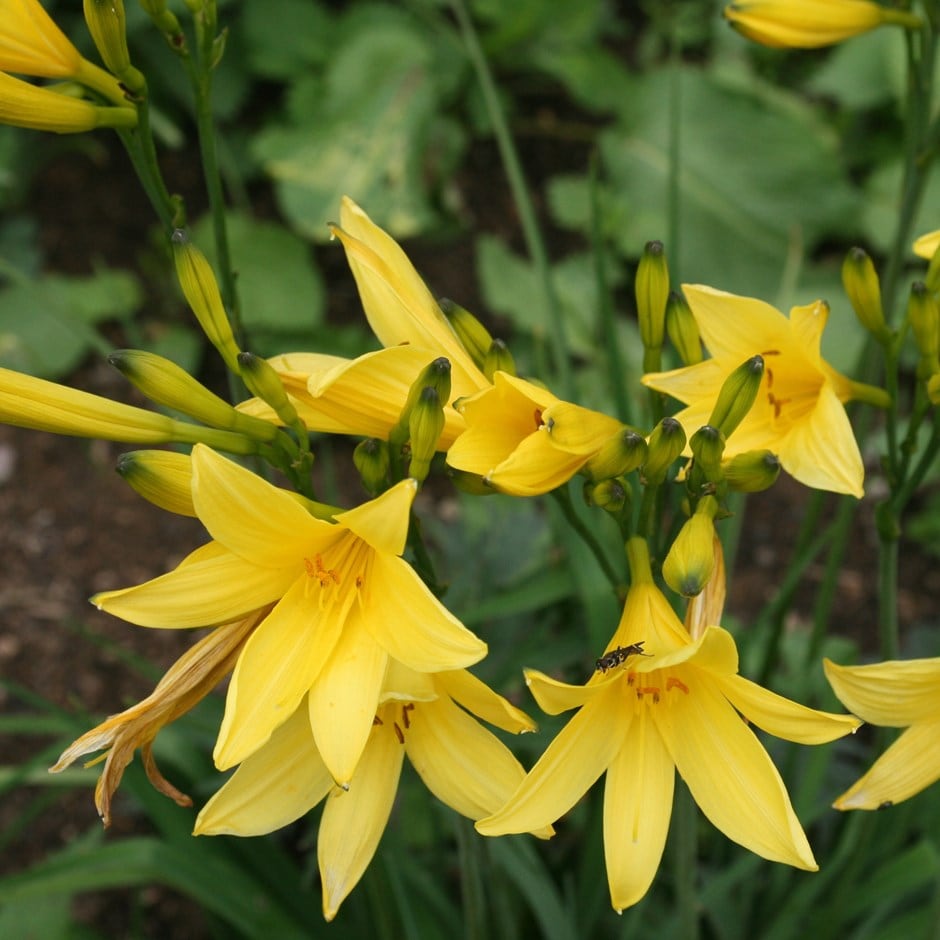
[108,28]
[708,445]
[928,246]
[683,330]
[167,384]
[691,559]
[425,425]
[42,109]
[933,389]
[473,335]
[202,294]
[737,396]
[808,24]
[162,477]
[924,318]
[652,290]
[860,280]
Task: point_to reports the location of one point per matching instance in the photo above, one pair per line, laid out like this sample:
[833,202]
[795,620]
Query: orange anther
[405,717]
[770,378]
[673,683]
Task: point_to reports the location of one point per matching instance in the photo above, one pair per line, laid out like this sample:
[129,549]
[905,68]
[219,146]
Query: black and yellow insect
[619,655]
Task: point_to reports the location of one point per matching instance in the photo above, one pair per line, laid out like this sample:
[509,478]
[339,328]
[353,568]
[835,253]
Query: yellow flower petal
[252,518]
[210,586]
[354,820]
[279,664]
[926,246]
[345,697]
[894,693]
[781,717]
[580,753]
[276,785]
[579,430]
[32,44]
[637,807]
[414,627]
[536,466]
[731,777]
[821,450]
[477,697]
[383,522]
[910,765]
[460,762]
[555,697]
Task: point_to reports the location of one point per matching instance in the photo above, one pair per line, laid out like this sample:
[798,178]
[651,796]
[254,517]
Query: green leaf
[759,181]
[282,38]
[368,129]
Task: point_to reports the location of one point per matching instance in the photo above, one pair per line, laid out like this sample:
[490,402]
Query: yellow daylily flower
[799,413]
[418,715]
[926,246]
[345,602]
[362,396]
[808,24]
[676,704]
[523,440]
[32,44]
[40,109]
[196,673]
[894,694]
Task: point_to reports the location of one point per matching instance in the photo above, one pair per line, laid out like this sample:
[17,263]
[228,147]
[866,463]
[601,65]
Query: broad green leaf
[284,37]
[759,182]
[370,130]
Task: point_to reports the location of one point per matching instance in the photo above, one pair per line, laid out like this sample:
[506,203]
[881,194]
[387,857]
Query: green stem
[685,851]
[520,192]
[888,597]
[563,498]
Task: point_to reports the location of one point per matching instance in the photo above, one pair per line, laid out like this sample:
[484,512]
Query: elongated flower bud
[473,335]
[924,318]
[41,109]
[498,359]
[425,425]
[262,380]
[691,559]
[652,289]
[622,453]
[665,444]
[372,460]
[162,477]
[708,445]
[808,24]
[167,384]
[683,330]
[860,280]
[202,293]
[752,471]
[107,25]
[737,396]
[436,376]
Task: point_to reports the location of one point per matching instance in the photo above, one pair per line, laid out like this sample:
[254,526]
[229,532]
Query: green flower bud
[691,559]
[372,460]
[861,284]
[425,426]
[665,444]
[202,293]
[436,376]
[652,288]
[262,380]
[622,453]
[162,477]
[498,359]
[752,471]
[611,495]
[737,395]
[933,388]
[683,330]
[473,335]
[165,21]
[167,384]
[924,318]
